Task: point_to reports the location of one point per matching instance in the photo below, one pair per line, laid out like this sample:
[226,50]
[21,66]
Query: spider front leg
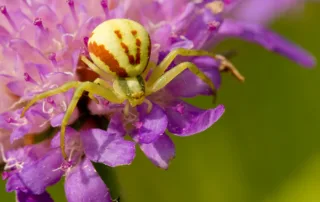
[61,89]
[80,88]
[164,79]
[94,68]
[225,65]
[101,82]
[92,88]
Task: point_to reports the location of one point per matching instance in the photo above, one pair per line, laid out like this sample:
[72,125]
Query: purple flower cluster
[41,41]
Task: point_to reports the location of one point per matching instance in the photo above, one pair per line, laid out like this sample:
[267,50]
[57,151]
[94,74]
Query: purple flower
[41,43]
[30,170]
[20,176]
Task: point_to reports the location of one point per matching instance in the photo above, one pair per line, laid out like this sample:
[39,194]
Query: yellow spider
[121,48]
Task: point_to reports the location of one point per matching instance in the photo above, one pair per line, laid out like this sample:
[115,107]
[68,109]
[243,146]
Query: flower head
[41,43]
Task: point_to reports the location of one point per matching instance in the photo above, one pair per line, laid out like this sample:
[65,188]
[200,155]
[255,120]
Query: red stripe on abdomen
[107,58]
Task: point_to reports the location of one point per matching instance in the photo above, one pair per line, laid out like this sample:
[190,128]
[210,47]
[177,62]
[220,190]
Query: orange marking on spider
[118,33]
[107,58]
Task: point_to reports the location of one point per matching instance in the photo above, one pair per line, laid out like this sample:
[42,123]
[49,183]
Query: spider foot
[91,96]
[227,66]
[149,103]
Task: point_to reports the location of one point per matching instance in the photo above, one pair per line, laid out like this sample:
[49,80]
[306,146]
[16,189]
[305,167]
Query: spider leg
[101,82]
[149,104]
[61,89]
[163,80]
[80,88]
[93,88]
[146,72]
[225,65]
[94,68]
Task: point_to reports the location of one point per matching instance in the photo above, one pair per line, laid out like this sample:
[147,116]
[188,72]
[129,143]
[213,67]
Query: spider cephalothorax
[121,48]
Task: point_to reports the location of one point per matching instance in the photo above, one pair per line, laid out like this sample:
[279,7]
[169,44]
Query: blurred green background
[266,147]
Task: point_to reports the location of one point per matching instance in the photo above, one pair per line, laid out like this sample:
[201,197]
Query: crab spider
[121,48]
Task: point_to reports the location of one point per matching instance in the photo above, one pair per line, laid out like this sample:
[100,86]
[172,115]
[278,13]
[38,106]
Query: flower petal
[207,25]
[47,15]
[14,183]
[19,132]
[17,87]
[189,85]
[108,148]
[161,36]
[150,125]
[28,53]
[57,120]
[45,172]
[160,152]
[71,137]
[267,39]
[185,119]
[116,125]
[4,35]
[28,197]
[88,26]
[84,184]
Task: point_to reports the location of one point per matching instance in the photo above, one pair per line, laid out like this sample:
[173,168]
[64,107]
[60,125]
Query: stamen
[38,22]
[71,155]
[104,4]
[213,25]
[73,11]
[47,109]
[180,108]
[52,58]
[51,101]
[85,41]
[3,156]
[84,52]
[11,120]
[174,37]
[138,124]
[64,166]
[28,78]
[4,11]
[105,102]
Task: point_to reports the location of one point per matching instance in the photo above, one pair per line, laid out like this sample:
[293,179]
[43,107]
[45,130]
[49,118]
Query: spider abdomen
[120,47]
